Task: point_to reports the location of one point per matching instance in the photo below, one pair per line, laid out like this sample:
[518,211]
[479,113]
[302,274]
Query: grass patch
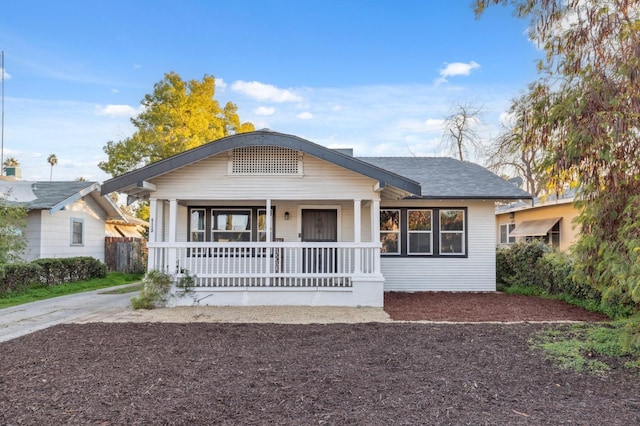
[613,311]
[586,347]
[42,292]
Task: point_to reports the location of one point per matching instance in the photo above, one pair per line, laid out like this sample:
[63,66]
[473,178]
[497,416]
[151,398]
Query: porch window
[452,232]
[505,230]
[419,231]
[390,231]
[198,225]
[262,225]
[231,225]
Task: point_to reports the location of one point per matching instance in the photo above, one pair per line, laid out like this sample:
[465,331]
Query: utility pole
[2,131]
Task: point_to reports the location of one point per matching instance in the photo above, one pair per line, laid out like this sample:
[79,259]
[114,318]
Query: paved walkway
[24,319]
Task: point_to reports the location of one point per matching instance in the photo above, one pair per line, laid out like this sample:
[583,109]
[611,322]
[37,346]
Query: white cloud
[428,125]
[118,110]
[456,68]
[115,91]
[305,115]
[265,92]
[263,110]
[221,84]
[137,66]
[7,76]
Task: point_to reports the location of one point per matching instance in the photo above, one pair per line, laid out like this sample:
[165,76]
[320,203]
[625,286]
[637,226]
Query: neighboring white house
[65,219]
[265,218]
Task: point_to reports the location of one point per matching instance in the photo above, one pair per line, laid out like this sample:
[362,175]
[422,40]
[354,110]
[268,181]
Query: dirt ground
[361,373]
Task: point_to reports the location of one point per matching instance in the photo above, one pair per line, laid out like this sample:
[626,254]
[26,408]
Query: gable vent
[265,160]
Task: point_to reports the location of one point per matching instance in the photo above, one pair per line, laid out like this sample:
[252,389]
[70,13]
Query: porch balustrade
[267,264]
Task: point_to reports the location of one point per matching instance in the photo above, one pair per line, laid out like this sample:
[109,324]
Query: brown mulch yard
[374,373]
[481,307]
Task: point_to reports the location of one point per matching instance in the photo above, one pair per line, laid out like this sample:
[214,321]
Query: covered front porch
[269,252]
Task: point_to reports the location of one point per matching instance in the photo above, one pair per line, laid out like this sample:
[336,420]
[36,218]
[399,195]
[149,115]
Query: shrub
[155,291]
[64,270]
[19,276]
[517,265]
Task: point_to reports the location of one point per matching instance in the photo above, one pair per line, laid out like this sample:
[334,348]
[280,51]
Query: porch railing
[274,264]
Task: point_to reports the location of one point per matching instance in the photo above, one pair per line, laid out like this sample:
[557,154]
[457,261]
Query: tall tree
[177,116]
[460,132]
[517,151]
[52,159]
[593,58]
[13,221]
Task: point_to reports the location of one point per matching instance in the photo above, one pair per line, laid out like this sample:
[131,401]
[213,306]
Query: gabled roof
[448,178]
[415,177]
[54,196]
[261,138]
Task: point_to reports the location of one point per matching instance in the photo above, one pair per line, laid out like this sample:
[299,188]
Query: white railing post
[153,220]
[375,234]
[357,236]
[269,248]
[173,231]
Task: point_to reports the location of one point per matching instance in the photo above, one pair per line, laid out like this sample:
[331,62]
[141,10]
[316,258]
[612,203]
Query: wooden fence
[124,254]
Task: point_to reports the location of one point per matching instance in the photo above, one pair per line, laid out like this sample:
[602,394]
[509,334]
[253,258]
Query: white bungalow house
[64,219]
[265,218]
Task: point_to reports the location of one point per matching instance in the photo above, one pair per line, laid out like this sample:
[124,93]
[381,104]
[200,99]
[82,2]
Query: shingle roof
[40,195]
[448,178]
[53,195]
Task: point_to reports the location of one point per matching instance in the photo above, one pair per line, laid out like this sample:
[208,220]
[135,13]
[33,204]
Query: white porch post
[269,251]
[153,223]
[357,235]
[173,232]
[375,232]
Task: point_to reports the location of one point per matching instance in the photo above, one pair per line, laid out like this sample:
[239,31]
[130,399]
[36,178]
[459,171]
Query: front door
[319,225]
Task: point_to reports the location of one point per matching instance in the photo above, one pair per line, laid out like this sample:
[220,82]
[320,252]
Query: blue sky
[376,76]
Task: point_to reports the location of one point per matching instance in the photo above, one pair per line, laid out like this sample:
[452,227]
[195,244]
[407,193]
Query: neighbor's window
[230,225]
[452,232]
[505,230]
[419,231]
[390,231]
[77,231]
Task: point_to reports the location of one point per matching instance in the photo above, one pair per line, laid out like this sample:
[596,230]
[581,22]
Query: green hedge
[534,268]
[20,276]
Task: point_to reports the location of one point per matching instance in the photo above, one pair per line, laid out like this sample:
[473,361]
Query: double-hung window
[452,232]
[429,232]
[390,231]
[419,231]
[77,231]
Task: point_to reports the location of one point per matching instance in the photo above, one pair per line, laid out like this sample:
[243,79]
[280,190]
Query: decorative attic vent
[265,160]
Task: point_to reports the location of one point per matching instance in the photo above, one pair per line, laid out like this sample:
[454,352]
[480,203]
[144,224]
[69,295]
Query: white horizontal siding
[209,180]
[56,231]
[477,272]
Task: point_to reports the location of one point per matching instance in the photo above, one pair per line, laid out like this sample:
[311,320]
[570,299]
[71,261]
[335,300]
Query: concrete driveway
[24,319]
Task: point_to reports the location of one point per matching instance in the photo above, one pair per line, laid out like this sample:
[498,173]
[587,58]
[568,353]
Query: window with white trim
[505,230]
[419,231]
[77,231]
[427,232]
[230,225]
[390,231]
[452,232]
[198,225]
